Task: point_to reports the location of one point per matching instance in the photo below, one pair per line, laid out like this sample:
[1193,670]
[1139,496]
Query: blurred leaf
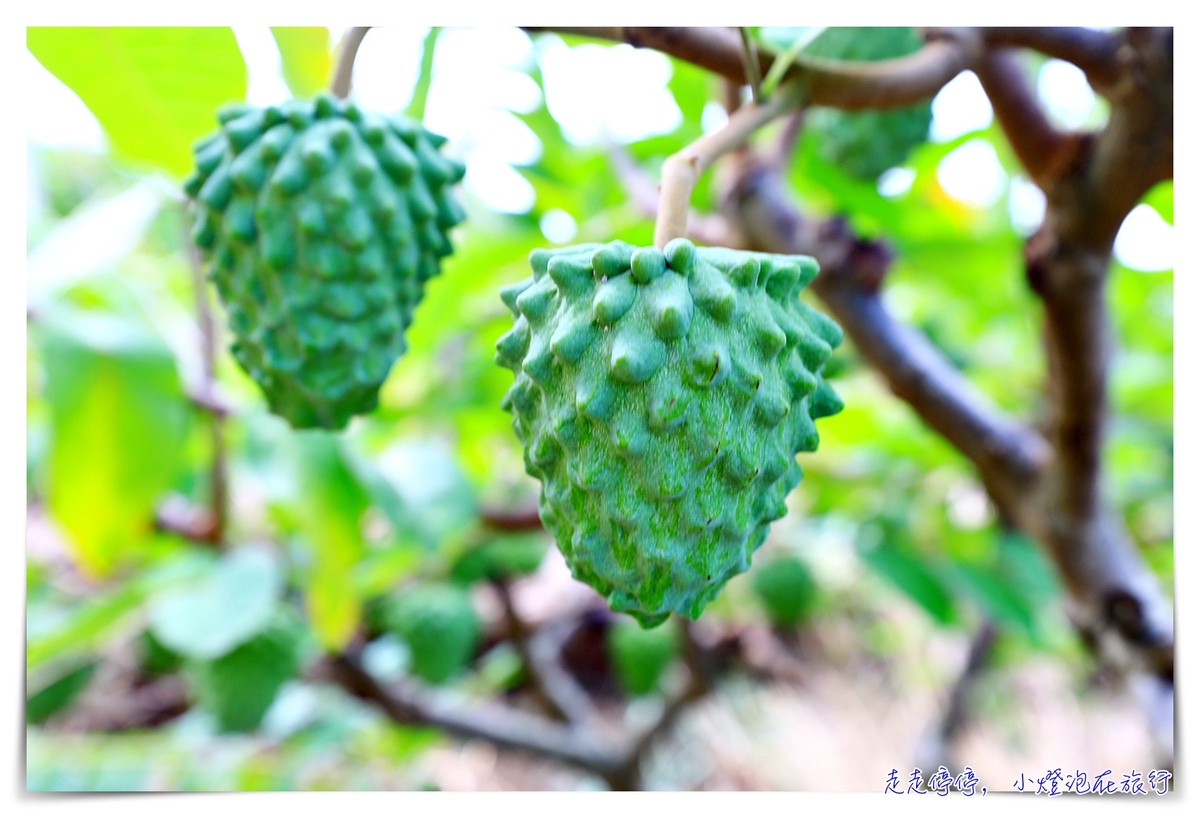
[416,107]
[505,556]
[381,571]
[419,486]
[58,694]
[329,510]
[233,603]
[306,58]
[1162,198]
[915,579]
[154,90]
[87,626]
[997,597]
[118,420]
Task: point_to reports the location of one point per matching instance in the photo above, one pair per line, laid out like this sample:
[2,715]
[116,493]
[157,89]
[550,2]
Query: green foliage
[234,601]
[239,686]
[503,557]
[661,397]
[117,421]
[323,224]
[55,696]
[156,658]
[640,655]
[305,58]
[786,589]
[866,143]
[153,89]
[439,625]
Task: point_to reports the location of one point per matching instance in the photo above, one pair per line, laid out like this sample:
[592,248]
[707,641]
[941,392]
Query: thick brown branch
[1093,51]
[882,84]
[1042,150]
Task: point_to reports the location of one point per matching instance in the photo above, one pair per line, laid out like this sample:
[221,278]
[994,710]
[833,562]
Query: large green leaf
[154,90]
[232,604]
[330,504]
[306,58]
[910,574]
[118,420]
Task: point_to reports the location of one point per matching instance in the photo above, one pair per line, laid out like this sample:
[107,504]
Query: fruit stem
[339,86]
[682,170]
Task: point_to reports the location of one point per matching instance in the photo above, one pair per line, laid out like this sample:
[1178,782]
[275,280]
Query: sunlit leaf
[118,420]
[306,59]
[154,90]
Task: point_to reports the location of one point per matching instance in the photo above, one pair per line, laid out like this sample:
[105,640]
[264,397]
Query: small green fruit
[639,656]
[661,398]
[786,589]
[240,686]
[866,143]
[439,625]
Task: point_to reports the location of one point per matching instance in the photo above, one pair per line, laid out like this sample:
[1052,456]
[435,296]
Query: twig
[750,63]
[207,397]
[339,86]
[409,703]
[554,687]
[521,519]
[1093,51]
[882,84]
[1041,149]
[705,228]
[942,736]
[681,170]
[785,143]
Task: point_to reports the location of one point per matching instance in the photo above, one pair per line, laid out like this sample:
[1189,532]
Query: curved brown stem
[344,67]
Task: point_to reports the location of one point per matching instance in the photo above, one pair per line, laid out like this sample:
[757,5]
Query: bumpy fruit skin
[323,224]
[661,398]
[786,589]
[639,656]
[866,143]
[240,686]
[438,624]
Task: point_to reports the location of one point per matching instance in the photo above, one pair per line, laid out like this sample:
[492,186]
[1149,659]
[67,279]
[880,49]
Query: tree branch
[339,86]
[521,519]
[880,84]
[1042,149]
[851,272]
[1093,51]
[704,228]
[681,170]
[409,703]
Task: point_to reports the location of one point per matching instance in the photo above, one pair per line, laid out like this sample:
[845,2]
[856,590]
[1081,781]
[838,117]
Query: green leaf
[416,107]
[58,694]
[154,90]
[997,597]
[331,502]
[118,421]
[233,603]
[914,578]
[306,58]
[86,627]
[421,489]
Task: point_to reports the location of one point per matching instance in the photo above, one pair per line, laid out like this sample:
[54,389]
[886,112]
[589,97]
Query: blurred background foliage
[330,538]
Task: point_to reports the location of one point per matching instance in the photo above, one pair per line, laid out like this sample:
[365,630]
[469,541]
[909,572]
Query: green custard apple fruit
[661,398]
[439,625]
[786,589]
[240,686]
[866,143]
[639,656]
[323,224]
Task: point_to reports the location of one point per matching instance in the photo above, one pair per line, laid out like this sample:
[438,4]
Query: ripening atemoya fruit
[661,398]
[323,224]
